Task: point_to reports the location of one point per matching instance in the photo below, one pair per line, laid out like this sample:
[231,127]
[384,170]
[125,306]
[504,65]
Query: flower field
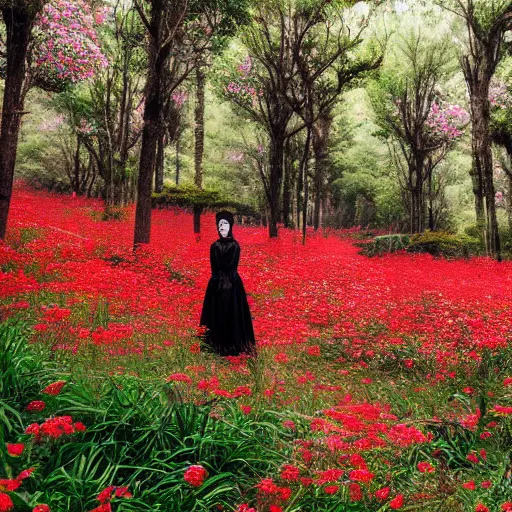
[380,384]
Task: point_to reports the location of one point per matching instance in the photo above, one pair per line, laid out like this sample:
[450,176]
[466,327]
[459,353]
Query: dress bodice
[224,256]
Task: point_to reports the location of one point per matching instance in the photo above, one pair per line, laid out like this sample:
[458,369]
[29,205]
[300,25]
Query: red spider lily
[195,475]
[397,502]
[36,406]
[42,507]
[55,388]
[425,467]
[6,504]
[15,450]
[382,494]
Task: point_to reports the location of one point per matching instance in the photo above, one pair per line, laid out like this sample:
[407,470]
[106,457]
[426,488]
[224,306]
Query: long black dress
[225,309]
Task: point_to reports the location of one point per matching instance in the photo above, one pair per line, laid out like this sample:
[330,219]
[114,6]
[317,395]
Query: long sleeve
[213,259]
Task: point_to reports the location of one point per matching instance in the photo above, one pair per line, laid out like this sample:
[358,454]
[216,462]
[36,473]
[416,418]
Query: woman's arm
[213,259]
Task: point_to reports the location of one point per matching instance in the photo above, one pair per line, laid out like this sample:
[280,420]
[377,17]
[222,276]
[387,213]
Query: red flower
[6,503]
[195,475]
[355,492]
[41,508]
[357,461]
[361,475]
[472,458]
[397,502]
[481,508]
[281,357]
[36,405]
[314,350]
[55,388]
[331,489]
[9,484]
[275,508]
[507,506]
[290,472]
[106,494]
[25,473]
[15,450]
[246,409]
[329,475]
[104,507]
[425,467]
[179,377]
[469,485]
[244,507]
[382,494]
[289,424]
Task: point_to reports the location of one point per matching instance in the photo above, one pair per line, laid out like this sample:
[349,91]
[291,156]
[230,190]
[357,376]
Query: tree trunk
[276,178]
[160,154]
[150,133]
[76,181]
[287,186]
[300,186]
[18,26]
[178,160]
[430,203]
[321,131]
[199,139]
[304,167]
[482,171]
[479,111]
[509,203]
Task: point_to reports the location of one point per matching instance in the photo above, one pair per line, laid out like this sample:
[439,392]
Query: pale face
[223,228]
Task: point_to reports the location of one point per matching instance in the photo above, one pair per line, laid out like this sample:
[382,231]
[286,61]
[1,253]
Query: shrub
[386,244]
[441,243]
[190,197]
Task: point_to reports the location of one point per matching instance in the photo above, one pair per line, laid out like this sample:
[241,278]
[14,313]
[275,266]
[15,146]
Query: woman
[226,314]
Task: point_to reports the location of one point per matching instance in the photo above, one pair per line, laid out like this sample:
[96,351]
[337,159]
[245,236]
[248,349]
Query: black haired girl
[226,313]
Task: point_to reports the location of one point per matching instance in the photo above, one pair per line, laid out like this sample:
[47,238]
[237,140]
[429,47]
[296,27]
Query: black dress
[225,309]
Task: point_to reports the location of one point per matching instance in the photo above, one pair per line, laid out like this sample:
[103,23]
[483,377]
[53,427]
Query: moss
[441,243]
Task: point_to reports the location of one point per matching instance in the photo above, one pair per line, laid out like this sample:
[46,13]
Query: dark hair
[226,216]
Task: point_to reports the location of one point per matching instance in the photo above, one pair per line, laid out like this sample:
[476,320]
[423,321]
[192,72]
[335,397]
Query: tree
[19,18]
[411,115]
[501,133]
[219,20]
[325,48]
[259,85]
[166,32]
[179,34]
[486,22]
[30,60]
[106,115]
[294,48]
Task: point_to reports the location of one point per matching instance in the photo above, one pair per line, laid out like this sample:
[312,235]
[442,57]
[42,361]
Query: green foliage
[189,197]
[386,244]
[140,433]
[440,243]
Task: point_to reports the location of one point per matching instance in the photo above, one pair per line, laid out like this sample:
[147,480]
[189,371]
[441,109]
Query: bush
[386,244]
[189,197]
[441,243]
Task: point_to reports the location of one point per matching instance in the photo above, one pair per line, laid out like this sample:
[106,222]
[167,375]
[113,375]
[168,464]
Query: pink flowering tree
[106,114]
[65,45]
[500,97]
[419,127]
[47,44]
